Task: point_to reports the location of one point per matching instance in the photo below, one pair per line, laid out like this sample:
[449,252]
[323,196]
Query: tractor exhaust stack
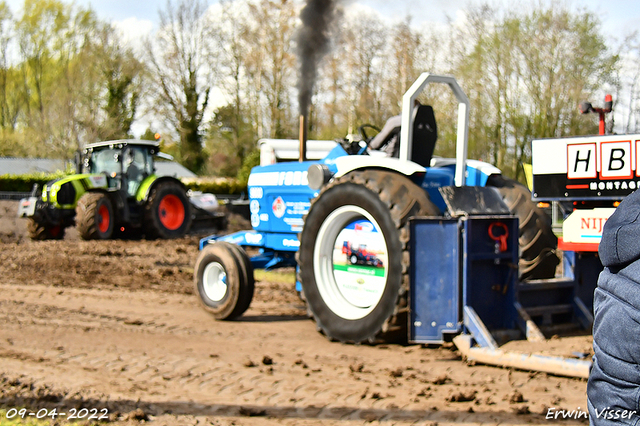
[303,138]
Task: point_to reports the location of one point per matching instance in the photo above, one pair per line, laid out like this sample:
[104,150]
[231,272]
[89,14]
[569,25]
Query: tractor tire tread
[87,215]
[38,231]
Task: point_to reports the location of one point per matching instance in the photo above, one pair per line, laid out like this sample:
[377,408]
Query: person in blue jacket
[614,383]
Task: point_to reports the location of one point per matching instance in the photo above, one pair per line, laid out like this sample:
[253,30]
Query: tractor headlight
[318,175]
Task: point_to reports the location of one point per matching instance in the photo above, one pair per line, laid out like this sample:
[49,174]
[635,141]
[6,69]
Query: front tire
[223,280]
[359,303]
[167,211]
[40,231]
[94,216]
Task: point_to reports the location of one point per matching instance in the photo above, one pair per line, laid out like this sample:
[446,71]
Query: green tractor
[115,193]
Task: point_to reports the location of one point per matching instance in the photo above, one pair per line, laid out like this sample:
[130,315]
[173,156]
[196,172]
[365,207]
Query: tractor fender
[350,163]
[477,171]
[151,181]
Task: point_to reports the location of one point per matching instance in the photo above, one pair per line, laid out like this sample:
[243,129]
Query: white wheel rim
[350,291]
[214,281]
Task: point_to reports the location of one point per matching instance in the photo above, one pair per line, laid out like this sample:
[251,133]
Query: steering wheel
[363,133]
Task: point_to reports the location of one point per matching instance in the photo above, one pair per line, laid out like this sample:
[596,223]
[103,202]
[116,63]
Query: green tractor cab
[115,193]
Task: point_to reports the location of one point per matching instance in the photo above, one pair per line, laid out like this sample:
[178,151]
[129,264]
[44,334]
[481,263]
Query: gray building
[20,166]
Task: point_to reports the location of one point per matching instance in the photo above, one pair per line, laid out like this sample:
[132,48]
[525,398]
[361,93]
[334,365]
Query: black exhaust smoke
[313,44]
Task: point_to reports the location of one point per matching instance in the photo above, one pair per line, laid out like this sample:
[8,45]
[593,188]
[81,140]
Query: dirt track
[115,325]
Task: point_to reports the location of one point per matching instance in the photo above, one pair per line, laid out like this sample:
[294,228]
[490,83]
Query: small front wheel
[41,231]
[224,280]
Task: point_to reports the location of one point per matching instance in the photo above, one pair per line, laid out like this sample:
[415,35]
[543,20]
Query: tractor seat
[425,134]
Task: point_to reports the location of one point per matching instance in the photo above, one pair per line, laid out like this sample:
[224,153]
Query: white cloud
[134,31]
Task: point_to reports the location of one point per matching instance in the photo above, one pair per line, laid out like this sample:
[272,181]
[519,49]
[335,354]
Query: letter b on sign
[616,160]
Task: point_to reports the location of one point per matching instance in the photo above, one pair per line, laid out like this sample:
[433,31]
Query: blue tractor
[303,213]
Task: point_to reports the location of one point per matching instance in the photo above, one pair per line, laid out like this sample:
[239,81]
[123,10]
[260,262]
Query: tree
[270,63]
[122,73]
[51,37]
[183,74]
[525,74]
[232,134]
[9,105]
[364,65]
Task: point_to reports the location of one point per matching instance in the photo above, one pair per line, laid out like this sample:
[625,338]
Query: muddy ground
[114,326]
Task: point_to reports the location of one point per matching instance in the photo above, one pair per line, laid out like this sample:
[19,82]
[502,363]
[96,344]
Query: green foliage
[121,71]
[181,76]
[525,72]
[65,80]
[148,135]
[249,162]
[24,183]
[216,185]
[18,421]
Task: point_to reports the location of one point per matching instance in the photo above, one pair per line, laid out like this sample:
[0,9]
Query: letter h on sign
[581,161]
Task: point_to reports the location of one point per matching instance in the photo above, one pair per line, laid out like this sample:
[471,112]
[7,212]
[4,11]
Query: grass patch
[284,276]
[17,420]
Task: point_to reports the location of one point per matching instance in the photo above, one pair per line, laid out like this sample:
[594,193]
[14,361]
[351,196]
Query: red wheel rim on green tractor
[103,218]
[55,231]
[171,211]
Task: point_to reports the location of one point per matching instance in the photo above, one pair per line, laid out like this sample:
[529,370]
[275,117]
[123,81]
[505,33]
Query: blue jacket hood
[620,243]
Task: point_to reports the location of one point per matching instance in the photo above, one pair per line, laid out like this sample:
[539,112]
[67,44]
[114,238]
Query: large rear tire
[40,231]
[360,303]
[167,211]
[223,280]
[538,259]
[94,216]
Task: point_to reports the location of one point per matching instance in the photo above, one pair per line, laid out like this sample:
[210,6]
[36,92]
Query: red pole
[586,108]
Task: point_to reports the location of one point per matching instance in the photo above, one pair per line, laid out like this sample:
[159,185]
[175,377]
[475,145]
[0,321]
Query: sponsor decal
[253,238]
[256,192]
[279,208]
[290,178]
[585,226]
[98,181]
[290,243]
[359,263]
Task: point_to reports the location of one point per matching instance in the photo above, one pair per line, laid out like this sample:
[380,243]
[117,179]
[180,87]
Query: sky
[138,18]
[618,16]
